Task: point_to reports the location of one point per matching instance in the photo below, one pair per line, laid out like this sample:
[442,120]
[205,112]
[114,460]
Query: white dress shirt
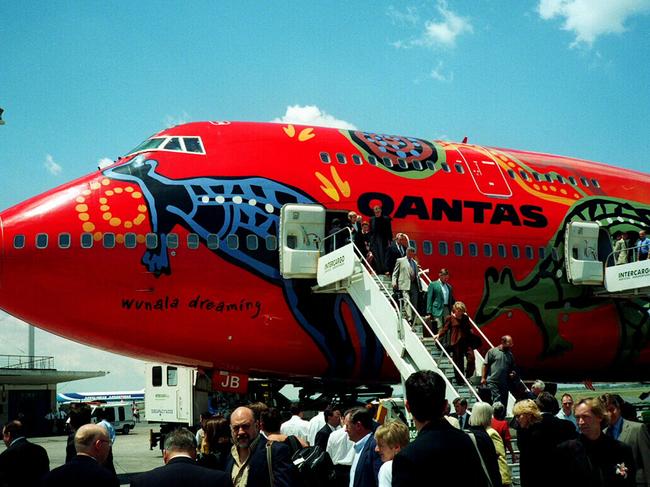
[358,447]
[386,474]
[340,448]
[315,424]
[295,426]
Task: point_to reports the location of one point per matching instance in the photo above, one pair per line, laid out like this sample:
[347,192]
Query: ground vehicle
[120,415]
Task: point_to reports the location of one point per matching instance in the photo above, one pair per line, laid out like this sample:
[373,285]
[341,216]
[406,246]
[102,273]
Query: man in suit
[247,465]
[633,434]
[22,464]
[332,423]
[180,467]
[407,282]
[366,462]
[354,224]
[440,298]
[92,445]
[381,234]
[461,413]
[439,451]
[396,250]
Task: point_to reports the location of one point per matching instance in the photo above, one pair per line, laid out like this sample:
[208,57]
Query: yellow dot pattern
[107,189]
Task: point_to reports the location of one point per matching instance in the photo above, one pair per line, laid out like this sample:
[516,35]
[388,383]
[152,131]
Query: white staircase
[405,348]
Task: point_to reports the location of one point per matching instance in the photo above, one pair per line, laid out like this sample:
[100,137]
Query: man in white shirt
[341,451]
[296,425]
[315,424]
[366,462]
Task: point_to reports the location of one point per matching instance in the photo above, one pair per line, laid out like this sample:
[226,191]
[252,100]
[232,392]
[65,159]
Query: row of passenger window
[150,240]
[541,178]
[387,161]
[487,249]
[458,167]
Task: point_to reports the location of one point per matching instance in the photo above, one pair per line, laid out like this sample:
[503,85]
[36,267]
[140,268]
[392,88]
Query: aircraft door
[302,228]
[485,172]
[581,253]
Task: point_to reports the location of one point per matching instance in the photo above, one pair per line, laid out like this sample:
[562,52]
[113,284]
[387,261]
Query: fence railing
[26,362]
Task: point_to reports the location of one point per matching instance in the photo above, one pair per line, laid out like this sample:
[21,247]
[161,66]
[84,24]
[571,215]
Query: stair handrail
[480,332]
[612,258]
[442,349]
[388,293]
[321,245]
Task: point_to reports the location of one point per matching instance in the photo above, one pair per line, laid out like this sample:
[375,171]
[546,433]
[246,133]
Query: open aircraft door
[581,254]
[302,228]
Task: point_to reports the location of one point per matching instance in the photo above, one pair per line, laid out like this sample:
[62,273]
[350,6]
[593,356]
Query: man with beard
[248,464]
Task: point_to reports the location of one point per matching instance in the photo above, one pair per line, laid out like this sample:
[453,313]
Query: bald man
[247,464]
[93,445]
[181,469]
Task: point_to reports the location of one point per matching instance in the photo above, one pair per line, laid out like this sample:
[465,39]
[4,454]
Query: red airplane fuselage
[171,253]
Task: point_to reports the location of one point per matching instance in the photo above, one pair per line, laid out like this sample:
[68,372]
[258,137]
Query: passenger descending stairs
[374,299]
[373,296]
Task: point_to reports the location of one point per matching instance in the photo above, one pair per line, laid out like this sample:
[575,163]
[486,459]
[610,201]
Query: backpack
[314,466]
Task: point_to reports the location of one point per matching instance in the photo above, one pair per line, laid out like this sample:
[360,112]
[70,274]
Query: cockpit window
[192,145]
[173,144]
[148,145]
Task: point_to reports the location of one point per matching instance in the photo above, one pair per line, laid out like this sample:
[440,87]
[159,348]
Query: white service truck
[174,396]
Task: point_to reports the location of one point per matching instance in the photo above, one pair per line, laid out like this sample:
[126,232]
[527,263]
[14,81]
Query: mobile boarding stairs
[345,270]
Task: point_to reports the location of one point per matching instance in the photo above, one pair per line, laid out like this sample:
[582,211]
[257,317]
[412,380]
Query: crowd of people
[595,443]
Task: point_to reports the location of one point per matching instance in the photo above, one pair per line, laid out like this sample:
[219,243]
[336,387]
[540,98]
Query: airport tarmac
[131,454]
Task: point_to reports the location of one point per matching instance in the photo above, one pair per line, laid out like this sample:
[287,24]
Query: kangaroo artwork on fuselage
[187,250]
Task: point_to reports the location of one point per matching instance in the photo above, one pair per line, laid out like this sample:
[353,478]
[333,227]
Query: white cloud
[445,31]
[589,19]
[312,115]
[439,74]
[441,31]
[173,120]
[408,16]
[51,165]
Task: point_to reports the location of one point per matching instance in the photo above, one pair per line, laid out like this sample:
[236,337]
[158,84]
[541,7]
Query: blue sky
[83,81]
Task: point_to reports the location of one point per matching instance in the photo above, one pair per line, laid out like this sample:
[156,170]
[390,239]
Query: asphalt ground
[131,454]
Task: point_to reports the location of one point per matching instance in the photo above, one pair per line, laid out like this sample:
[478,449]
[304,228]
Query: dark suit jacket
[488,452]
[636,436]
[181,472]
[592,463]
[258,476]
[23,464]
[536,445]
[392,254]
[441,453]
[466,425]
[322,436]
[368,465]
[381,230]
[81,470]
[357,237]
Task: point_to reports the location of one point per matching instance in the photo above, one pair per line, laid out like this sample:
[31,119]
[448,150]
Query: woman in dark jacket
[216,444]
[480,418]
